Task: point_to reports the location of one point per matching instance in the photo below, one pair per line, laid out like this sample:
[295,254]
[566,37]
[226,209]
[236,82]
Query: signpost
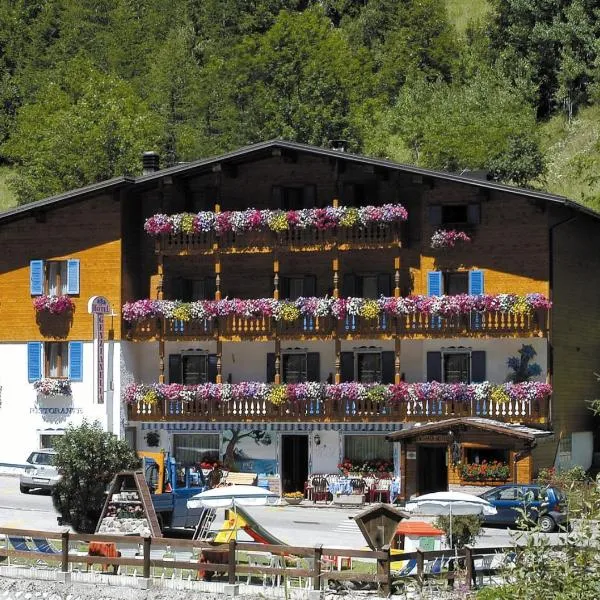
[98,306]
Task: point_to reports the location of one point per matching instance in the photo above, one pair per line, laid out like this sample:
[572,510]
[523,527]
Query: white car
[40,472]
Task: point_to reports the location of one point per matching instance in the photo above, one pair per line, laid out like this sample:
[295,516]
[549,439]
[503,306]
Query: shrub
[465,529]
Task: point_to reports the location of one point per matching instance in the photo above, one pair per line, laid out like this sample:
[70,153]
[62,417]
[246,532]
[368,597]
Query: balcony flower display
[52,387]
[55,305]
[339,308]
[448,238]
[485,471]
[351,392]
[277,221]
[375,466]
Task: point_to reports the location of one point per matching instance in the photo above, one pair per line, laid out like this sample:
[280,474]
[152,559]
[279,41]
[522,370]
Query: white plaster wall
[326,456]
[21,423]
[245,361]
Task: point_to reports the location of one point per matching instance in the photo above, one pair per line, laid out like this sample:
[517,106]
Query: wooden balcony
[339,411]
[489,324]
[374,236]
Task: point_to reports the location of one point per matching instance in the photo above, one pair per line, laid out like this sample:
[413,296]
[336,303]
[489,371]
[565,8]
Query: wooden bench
[240,478]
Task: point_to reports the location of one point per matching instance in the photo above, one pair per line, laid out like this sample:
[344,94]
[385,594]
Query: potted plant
[293,498]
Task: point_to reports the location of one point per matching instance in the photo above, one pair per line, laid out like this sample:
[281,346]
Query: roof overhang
[516,431]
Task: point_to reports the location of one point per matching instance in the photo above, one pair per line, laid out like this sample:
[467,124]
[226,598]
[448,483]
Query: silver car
[40,472]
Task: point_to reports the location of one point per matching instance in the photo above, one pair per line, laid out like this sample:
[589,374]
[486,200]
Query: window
[456,282]
[188,290]
[456,367]
[360,448]
[368,367]
[508,493]
[57,359]
[478,455]
[370,285]
[454,214]
[193,448]
[48,441]
[203,199]
[296,286]
[192,367]
[294,197]
[294,368]
[54,277]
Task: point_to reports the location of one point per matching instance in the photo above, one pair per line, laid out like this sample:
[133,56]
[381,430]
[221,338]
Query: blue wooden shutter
[73,276]
[36,277]
[434,283]
[34,361]
[476,283]
[477,366]
[76,361]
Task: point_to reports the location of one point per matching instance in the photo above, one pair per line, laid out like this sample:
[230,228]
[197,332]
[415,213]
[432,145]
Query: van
[40,472]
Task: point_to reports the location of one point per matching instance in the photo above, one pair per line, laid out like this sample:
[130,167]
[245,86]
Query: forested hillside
[507,86]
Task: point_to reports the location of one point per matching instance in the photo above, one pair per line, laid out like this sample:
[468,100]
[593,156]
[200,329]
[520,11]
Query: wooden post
[231,562]
[316,577]
[161,322]
[336,277]
[420,567]
[469,566]
[219,360]
[65,552]
[277,360]
[147,547]
[276,278]
[397,276]
[397,349]
[217,276]
[384,568]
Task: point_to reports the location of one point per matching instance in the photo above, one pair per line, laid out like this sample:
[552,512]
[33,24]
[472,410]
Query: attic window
[454,214]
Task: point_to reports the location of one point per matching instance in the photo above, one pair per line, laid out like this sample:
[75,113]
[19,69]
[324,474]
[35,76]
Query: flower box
[55,305]
[495,471]
[448,238]
[293,501]
[52,387]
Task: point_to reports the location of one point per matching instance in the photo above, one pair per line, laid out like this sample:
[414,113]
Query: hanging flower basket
[448,238]
[55,305]
[52,387]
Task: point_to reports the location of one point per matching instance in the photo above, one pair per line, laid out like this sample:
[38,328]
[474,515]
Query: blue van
[542,504]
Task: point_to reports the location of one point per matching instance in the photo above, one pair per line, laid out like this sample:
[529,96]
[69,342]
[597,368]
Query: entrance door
[294,462]
[432,469]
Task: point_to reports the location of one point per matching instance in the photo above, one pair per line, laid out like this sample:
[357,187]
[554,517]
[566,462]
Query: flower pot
[293,501]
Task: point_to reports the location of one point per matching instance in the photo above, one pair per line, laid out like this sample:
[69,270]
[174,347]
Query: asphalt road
[299,525]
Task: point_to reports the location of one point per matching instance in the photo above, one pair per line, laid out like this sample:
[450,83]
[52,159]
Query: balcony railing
[374,235]
[493,323]
[344,411]
[345,402]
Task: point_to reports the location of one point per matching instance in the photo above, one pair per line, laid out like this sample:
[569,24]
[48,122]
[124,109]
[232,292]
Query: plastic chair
[381,491]
[43,545]
[357,487]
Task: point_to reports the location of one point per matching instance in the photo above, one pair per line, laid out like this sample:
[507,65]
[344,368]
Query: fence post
[65,552]
[316,583]
[231,570]
[147,547]
[384,568]
[469,566]
[420,567]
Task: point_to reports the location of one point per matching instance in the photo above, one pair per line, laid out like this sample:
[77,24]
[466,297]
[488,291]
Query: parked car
[40,472]
[542,504]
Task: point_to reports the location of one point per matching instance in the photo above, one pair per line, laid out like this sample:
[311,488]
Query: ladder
[207,516]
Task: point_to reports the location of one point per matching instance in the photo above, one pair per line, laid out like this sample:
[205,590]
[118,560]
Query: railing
[374,235]
[492,323]
[202,560]
[344,410]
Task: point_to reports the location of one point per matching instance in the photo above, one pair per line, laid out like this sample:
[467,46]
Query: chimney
[150,163]
[339,145]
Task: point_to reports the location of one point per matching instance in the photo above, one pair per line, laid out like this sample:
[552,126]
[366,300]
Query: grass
[462,12]
[7,197]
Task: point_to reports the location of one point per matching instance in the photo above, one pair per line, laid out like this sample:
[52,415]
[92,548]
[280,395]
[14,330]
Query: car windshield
[41,458]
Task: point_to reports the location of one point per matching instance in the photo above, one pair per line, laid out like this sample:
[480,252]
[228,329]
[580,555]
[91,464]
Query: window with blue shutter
[73,276]
[36,277]
[434,288]
[476,289]
[76,361]
[34,361]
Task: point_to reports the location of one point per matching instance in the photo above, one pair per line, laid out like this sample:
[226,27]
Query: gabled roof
[264,149]
[510,429]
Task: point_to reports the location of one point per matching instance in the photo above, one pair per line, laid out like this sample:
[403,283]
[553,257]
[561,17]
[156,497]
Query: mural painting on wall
[522,367]
[249,451]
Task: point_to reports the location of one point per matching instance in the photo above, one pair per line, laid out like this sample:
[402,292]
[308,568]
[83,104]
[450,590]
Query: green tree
[82,127]
[88,458]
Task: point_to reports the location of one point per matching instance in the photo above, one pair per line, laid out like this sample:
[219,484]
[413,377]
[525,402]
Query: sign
[411,455]
[59,410]
[99,306]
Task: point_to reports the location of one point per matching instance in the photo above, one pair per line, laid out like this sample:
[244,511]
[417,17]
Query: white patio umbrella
[450,504]
[230,496]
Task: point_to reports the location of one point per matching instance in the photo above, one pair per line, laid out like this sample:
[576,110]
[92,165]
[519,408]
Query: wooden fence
[224,559]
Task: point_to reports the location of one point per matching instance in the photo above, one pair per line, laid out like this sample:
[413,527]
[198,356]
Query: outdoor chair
[319,489]
[357,487]
[407,569]
[43,545]
[381,491]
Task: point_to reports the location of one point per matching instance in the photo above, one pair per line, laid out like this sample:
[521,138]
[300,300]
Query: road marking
[348,526]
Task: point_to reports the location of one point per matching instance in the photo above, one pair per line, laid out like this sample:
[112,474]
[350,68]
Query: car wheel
[546,524]
[24,489]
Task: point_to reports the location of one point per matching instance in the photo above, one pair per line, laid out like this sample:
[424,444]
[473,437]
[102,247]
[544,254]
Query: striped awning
[223,426]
